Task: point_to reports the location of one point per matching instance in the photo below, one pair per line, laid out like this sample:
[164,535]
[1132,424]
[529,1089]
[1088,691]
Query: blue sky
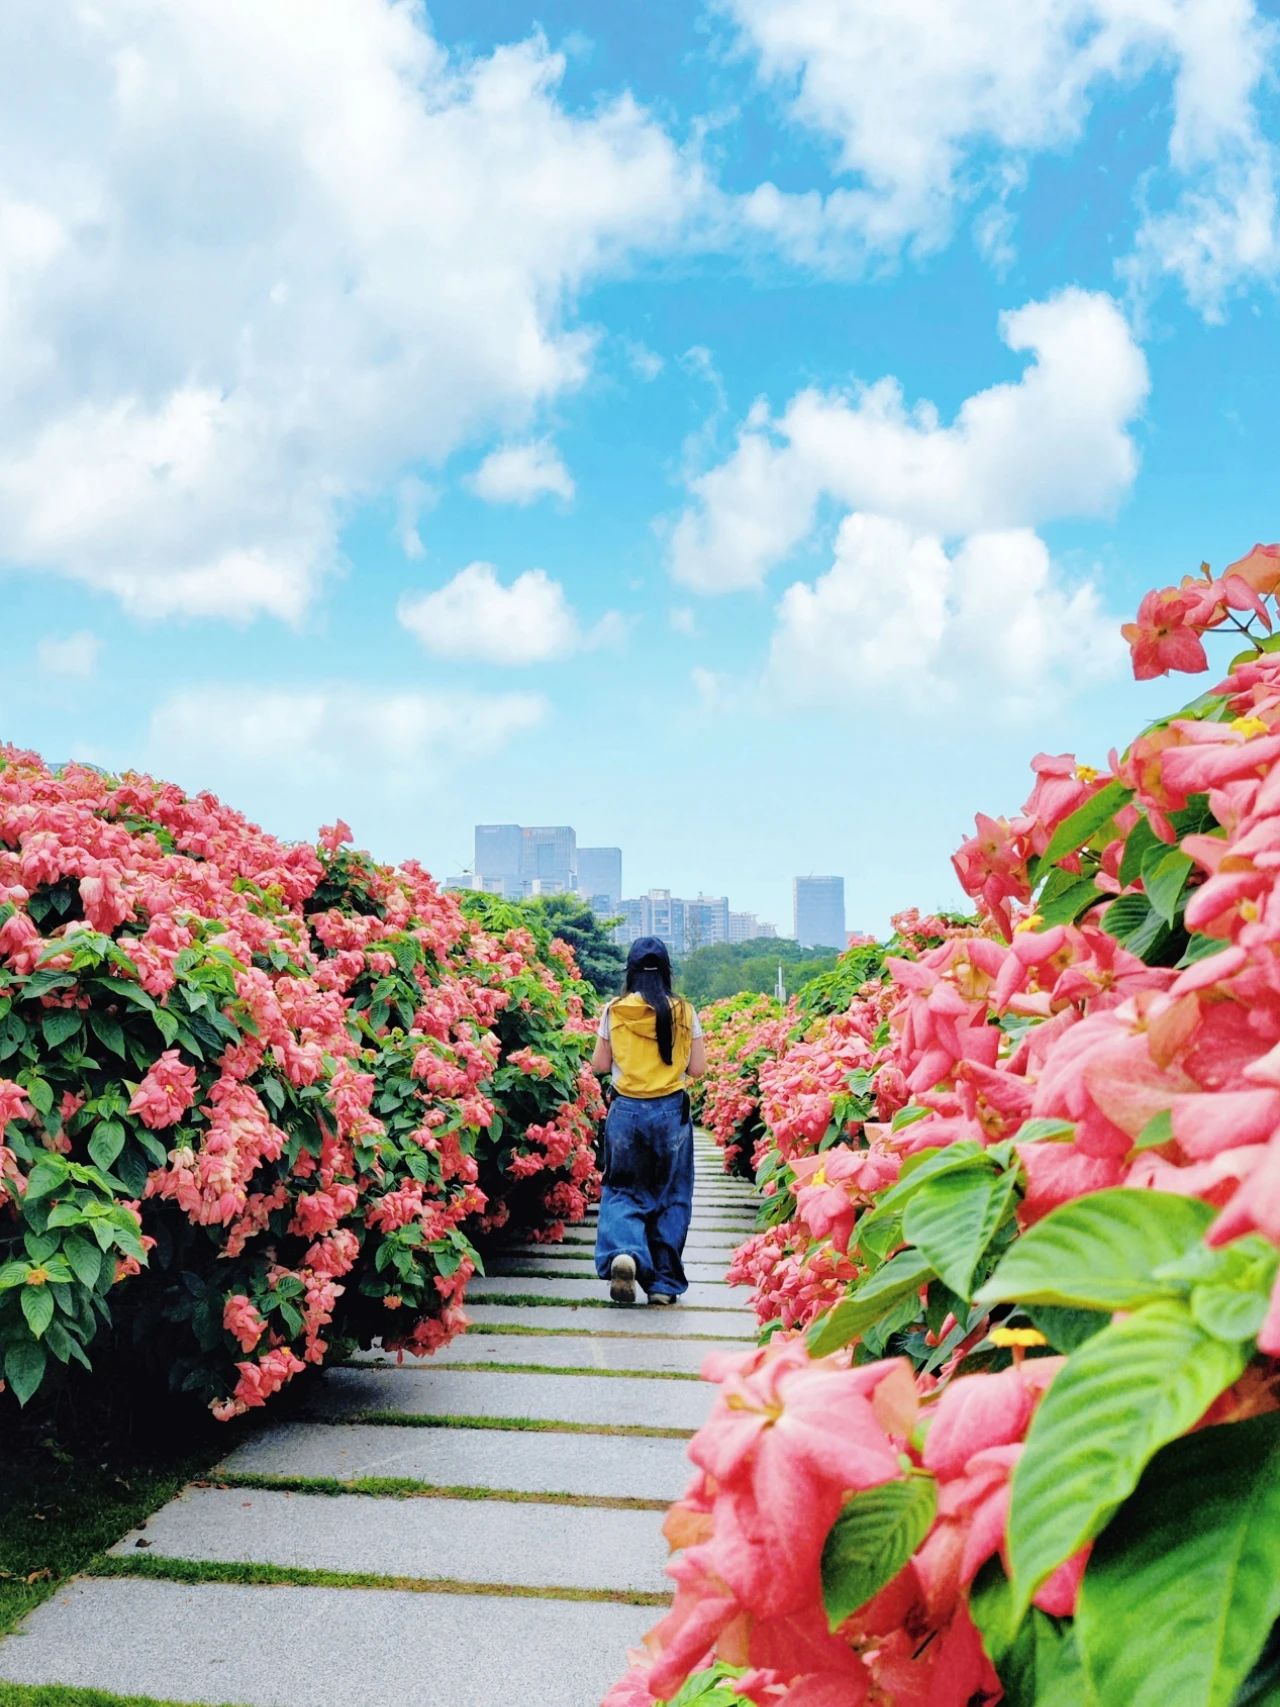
[734,428]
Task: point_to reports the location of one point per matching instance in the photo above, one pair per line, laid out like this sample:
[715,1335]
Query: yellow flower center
[1249,727]
[38,1277]
[1016,1336]
[1032,922]
[820,1178]
[1086,773]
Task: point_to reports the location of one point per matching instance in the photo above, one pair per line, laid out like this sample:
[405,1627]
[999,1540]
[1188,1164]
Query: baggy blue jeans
[648,1189]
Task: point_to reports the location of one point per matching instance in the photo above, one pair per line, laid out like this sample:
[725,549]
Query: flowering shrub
[740,1032]
[243,1089]
[1027,1445]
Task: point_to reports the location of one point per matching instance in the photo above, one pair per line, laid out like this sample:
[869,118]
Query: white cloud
[991,623]
[73,655]
[927,103]
[519,474]
[413,496]
[476,618]
[261,260]
[683,619]
[645,363]
[1054,443]
[218,734]
[709,685]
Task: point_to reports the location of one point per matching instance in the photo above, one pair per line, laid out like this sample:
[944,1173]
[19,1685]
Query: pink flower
[1162,638]
[13,1103]
[333,836]
[241,1320]
[166,1093]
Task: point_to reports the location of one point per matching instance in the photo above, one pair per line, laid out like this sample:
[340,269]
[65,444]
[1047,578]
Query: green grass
[76,1480]
[72,1695]
[405,1488]
[210,1571]
[517,1425]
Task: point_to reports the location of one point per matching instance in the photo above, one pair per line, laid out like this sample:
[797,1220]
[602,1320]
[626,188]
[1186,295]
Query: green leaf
[108,1031]
[927,1165]
[1085,822]
[24,1367]
[37,1307]
[1098,1252]
[1142,841]
[1157,1131]
[85,1260]
[1164,877]
[13,1274]
[40,1095]
[1200,948]
[1036,1659]
[49,1173]
[1042,1129]
[106,1143]
[872,1539]
[1184,1583]
[880,1292]
[58,1025]
[1228,1313]
[1064,1328]
[953,1219]
[1121,1396]
[1066,907]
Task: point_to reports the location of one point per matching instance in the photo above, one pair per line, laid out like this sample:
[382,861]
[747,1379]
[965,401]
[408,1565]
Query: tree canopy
[731,968]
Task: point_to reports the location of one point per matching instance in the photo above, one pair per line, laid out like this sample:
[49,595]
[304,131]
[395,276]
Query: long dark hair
[649,976]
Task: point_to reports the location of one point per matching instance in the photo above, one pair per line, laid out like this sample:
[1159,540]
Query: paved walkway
[497,1509]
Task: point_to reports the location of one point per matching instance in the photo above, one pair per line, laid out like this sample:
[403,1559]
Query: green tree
[600,960]
[736,968]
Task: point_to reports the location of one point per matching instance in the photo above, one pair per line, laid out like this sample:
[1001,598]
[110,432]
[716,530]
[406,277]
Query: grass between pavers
[405,1488]
[193,1571]
[540,1369]
[78,1477]
[515,1425]
[73,1695]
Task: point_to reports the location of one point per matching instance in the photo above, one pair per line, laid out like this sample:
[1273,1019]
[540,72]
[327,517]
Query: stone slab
[562,1351]
[702,1294]
[594,1399]
[737,1323]
[323,1647]
[498,1542]
[711,1247]
[594,1466]
[530,1268]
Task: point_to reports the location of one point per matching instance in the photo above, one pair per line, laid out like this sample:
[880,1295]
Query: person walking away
[650,1040]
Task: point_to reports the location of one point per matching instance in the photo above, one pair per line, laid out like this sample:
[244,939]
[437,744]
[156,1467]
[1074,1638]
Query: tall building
[706,921]
[746,927]
[548,852]
[818,907]
[497,858]
[600,877]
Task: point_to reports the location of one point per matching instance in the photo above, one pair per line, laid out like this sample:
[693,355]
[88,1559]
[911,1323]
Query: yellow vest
[639,1070]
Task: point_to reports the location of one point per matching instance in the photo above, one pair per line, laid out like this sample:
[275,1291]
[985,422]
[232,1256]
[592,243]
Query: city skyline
[520,859]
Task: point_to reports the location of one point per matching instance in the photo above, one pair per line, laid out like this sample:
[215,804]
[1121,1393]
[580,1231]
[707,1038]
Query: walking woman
[651,1041]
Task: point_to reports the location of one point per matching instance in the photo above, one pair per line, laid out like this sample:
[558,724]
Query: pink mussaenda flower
[332,836]
[242,1321]
[166,1093]
[13,1103]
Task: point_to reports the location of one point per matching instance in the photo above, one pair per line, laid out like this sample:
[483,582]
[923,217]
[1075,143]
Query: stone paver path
[496,1508]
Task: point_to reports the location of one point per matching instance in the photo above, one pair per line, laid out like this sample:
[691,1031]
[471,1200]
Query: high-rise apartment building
[746,927]
[706,921]
[818,911]
[600,877]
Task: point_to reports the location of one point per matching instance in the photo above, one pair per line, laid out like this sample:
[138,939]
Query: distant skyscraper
[497,858]
[706,921]
[600,876]
[548,852]
[818,905]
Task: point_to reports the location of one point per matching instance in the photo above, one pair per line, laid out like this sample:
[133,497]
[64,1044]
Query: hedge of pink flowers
[258,1099]
[1014,1430]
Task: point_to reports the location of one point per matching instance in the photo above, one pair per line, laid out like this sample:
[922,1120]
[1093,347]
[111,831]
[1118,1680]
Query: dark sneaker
[622,1280]
[662,1300]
